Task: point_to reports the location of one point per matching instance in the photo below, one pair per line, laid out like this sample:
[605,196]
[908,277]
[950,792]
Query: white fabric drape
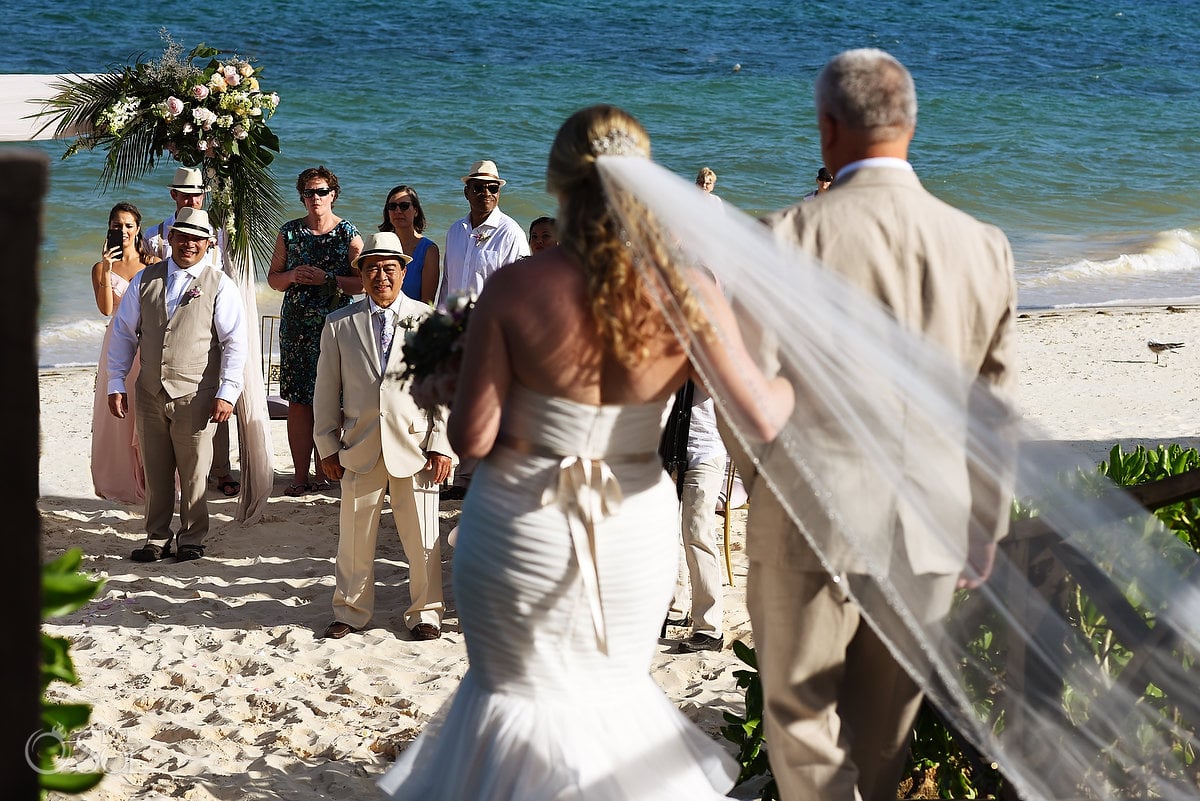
[20,97]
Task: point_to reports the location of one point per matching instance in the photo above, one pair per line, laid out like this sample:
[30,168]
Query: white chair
[269,337]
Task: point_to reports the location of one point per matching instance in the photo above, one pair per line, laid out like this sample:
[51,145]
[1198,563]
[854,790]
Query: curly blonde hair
[624,313]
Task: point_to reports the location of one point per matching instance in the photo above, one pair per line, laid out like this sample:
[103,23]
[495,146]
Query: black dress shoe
[426,631]
[702,642]
[151,552]
[337,630]
[187,553]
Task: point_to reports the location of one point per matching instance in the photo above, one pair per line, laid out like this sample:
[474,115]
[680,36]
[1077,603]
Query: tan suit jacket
[948,277]
[360,411]
[839,708]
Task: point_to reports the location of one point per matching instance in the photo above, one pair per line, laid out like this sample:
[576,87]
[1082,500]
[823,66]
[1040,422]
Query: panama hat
[484,170]
[193,222]
[189,180]
[384,243]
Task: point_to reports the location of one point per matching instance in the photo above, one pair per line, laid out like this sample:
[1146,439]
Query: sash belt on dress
[588,493]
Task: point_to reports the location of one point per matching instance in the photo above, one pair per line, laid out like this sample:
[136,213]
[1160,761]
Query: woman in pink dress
[116,463]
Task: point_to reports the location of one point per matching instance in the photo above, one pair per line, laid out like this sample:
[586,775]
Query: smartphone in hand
[113,240]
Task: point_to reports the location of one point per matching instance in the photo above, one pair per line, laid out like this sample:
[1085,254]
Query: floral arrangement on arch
[433,352]
[212,116]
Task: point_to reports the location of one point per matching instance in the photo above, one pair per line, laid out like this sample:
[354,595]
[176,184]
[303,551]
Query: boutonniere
[191,294]
[483,236]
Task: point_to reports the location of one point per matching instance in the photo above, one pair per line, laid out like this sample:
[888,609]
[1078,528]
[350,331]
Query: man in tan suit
[184,317]
[839,709]
[370,434]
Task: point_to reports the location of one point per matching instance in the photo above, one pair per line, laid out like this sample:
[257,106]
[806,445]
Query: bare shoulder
[547,273]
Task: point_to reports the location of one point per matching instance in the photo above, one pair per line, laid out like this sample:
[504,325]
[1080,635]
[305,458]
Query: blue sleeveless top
[411,285]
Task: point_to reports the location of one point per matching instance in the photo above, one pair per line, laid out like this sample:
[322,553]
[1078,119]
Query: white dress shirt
[473,254]
[228,319]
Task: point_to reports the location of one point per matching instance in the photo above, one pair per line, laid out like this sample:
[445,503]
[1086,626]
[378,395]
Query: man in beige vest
[372,436]
[188,192]
[185,320]
[839,709]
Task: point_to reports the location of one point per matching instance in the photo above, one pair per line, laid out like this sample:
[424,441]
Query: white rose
[239,132]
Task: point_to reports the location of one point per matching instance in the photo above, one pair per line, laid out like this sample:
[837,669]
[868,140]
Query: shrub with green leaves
[64,589]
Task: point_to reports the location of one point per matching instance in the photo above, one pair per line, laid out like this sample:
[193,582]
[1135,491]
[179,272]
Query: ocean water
[1071,125]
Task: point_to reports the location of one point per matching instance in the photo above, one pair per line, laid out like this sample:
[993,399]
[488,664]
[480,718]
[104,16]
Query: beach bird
[1161,347]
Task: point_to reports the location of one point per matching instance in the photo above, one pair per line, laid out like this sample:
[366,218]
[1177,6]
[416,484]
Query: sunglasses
[479,188]
[323,191]
[403,205]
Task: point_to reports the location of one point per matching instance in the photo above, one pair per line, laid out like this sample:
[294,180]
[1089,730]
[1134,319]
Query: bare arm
[483,382]
[278,278]
[102,286]
[431,273]
[762,404]
[352,284]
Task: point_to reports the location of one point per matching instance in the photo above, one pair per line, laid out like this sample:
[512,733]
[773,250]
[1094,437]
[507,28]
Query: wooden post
[23,181]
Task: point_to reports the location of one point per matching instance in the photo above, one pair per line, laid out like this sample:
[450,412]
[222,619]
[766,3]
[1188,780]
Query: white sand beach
[208,679]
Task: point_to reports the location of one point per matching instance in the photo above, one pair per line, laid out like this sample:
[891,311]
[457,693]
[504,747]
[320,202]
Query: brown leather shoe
[337,630]
[426,631]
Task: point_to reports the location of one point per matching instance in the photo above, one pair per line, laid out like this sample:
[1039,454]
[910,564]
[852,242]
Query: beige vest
[181,355]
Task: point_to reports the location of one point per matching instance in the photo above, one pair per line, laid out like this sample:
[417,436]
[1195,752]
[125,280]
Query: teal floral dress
[305,305]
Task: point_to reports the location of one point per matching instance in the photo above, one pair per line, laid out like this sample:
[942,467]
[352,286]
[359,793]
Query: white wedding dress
[567,548]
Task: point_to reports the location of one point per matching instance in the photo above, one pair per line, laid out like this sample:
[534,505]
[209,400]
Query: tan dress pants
[176,435]
[838,708]
[414,501]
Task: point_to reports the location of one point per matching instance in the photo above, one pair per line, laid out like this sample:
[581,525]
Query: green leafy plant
[64,589]
[1142,466]
[746,732]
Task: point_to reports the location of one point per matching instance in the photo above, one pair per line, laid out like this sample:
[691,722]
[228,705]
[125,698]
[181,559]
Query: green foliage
[64,589]
[1143,466]
[747,732]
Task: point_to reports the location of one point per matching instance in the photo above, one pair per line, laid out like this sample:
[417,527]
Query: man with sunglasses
[483,241]
[477,246]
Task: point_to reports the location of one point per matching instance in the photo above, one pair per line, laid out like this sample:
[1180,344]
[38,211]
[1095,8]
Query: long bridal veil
[1071,666]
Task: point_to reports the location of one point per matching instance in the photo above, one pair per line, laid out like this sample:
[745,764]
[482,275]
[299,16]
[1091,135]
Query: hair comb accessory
[616,143]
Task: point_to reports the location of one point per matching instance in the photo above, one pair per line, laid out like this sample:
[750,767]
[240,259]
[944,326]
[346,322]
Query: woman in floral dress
[311,266]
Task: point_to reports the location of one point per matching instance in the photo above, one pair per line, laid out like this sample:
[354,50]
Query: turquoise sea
[1072,125]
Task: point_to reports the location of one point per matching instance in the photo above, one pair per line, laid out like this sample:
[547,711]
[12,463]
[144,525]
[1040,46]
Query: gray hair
[868,90]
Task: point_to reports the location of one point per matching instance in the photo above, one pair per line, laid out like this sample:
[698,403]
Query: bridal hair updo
[624,314]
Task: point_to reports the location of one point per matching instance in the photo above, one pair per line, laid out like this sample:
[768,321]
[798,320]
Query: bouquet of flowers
[433,353]
[212,116]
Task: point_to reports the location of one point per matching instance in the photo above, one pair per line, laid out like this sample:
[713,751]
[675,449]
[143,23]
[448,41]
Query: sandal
[187,553]
[230,487]
[320,486]
[297,490]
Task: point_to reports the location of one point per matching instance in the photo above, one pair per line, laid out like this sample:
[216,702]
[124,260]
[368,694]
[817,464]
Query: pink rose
[174,106]
[231,75]
[200,92]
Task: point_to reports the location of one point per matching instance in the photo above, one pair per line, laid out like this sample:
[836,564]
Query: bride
[567,547]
